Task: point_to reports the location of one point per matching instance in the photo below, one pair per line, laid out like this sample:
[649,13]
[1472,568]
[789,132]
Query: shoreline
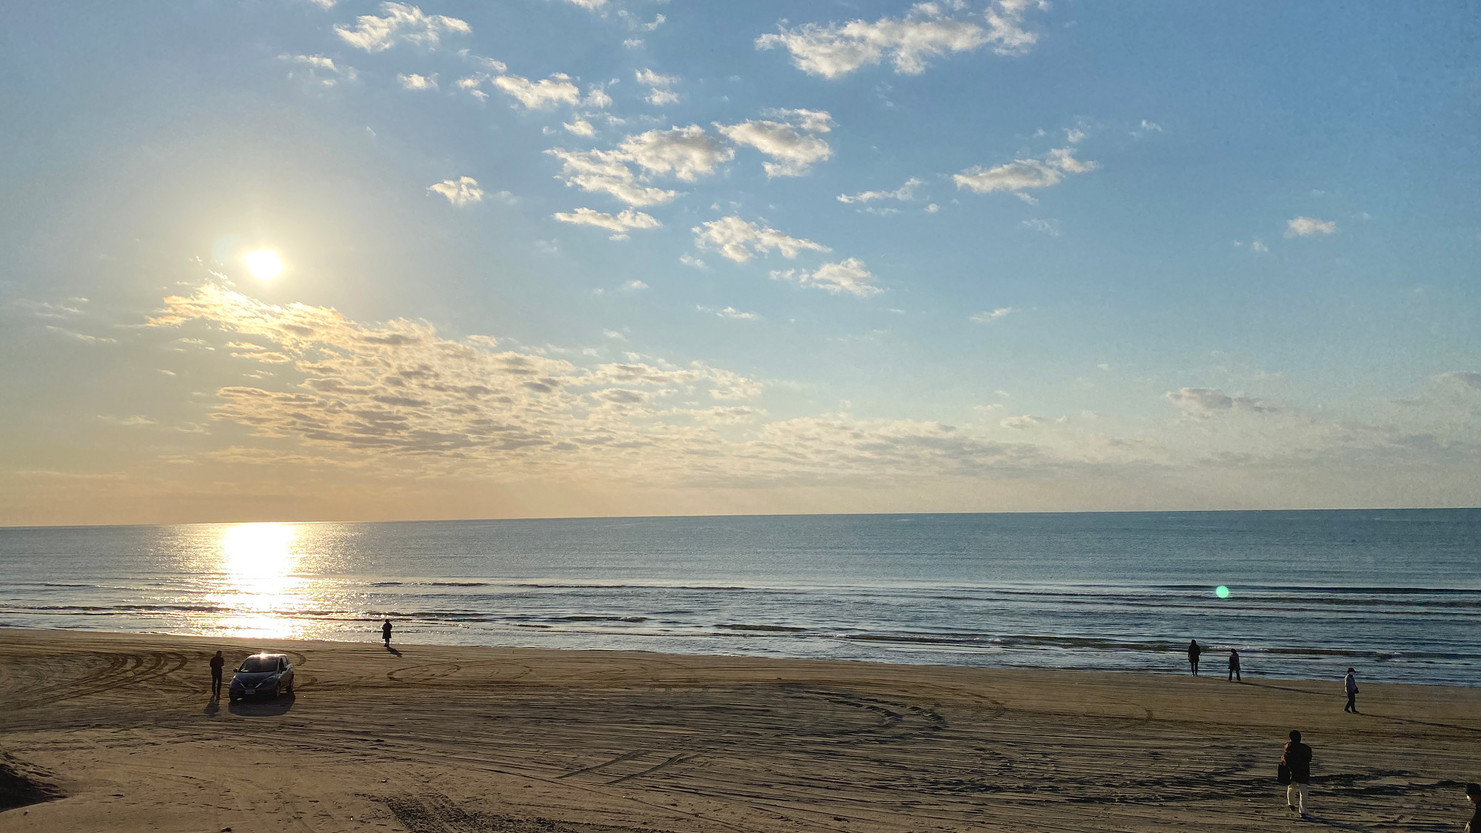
[428,738]
[1176,661]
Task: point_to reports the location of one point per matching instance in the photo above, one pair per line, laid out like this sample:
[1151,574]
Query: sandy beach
[427,738]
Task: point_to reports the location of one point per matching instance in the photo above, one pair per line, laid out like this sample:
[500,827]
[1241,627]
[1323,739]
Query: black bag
[1283,774]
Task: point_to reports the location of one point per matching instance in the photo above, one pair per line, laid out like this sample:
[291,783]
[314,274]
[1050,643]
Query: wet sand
[429,738]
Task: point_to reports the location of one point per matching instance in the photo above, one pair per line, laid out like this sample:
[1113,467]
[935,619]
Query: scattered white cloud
[315,61]
[540,95]
[928,30]
[48,310]
[1205,402]
[1146,128]
[1063,159]
[636,24]
[791,141]
[633,286]
[729,312]
[85,338]
[460,192]
[318,64]
[132,421]
[597,97]
[418,82]
[619,224]
[1053,228]
[738,240]
[1023,175]
[1006,31]
[660,87]
[590,5]
[400,23]
[1309,227]
[847,276]
[989,317]
[1024,422]
[692,261]
[1255,245]
[579,127]
[607,172]
[685,152]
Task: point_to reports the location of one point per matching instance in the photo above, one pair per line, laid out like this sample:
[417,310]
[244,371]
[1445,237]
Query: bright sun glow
[260,592]
[264,264]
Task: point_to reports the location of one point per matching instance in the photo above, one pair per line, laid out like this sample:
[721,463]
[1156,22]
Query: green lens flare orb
[1221,591]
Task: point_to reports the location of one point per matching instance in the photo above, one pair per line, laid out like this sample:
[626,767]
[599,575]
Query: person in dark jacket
[386,632]
[1193,652]
[1350,688]
[1297,758]
[1234,666]
[1473,792]
[218,662]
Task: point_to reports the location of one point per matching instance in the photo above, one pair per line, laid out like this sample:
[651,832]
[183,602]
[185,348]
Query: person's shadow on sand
[391,650]
[1337,824]
[213,707]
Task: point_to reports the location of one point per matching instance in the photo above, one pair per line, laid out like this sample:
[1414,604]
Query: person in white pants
[1297,758]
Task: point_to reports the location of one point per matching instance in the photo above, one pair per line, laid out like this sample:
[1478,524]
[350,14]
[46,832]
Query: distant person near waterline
[386,632]
[1473,792]
[1350,688]
[1193,652]
[1296,757]
[1234,666]
[217,663]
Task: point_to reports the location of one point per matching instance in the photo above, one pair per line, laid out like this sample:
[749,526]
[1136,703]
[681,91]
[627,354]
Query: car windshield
[257,665]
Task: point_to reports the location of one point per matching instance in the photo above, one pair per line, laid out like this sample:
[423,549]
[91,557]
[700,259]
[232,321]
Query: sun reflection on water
[262,586]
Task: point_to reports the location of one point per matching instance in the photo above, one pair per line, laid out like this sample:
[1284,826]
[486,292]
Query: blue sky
[591,257]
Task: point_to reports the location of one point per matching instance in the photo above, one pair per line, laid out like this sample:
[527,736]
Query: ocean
[1394,593]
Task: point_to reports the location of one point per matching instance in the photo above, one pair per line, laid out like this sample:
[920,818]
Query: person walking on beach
[386,632]
[1234,666]
[1473,792]
[1193,652]
[1296,756]
[218,662]
[1350,687]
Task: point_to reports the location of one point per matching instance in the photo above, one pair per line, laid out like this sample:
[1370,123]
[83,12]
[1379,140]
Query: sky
[545,258]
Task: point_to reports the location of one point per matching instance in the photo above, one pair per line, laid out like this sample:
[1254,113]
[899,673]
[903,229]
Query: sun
[264,264]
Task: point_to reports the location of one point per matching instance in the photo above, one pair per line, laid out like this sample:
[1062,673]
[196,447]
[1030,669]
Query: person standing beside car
[218,662]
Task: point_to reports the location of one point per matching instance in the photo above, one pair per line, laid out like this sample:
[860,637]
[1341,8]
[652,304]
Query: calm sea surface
[1395,593]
